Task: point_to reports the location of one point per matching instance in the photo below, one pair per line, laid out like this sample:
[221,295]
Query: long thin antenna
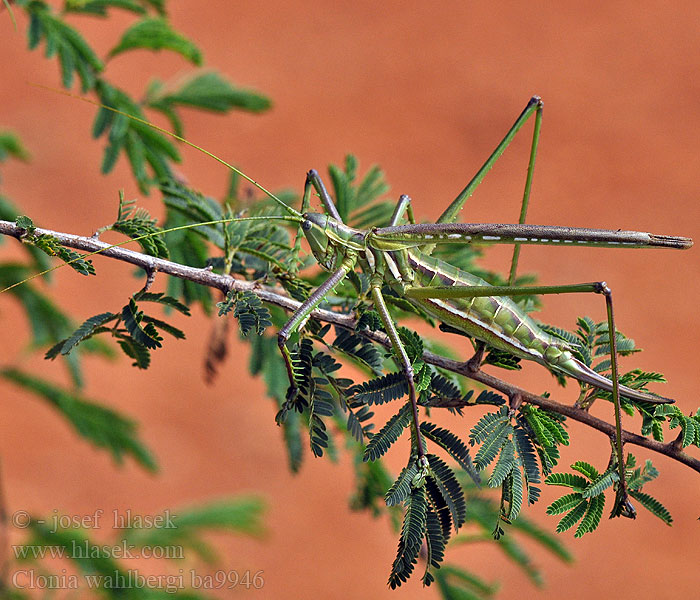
[286,207]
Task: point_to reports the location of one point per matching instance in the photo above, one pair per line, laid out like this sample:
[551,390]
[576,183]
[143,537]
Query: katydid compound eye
[306,225]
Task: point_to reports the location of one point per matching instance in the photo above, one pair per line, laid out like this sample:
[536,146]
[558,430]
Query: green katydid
[398,256]
[392,256]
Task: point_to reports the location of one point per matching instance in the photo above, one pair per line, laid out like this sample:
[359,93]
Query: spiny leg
[528,186]
[313,178]
[400,351]
[622,507]
[450,214]
[300,315]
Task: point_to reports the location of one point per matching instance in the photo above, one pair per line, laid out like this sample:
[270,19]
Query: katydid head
[330,239]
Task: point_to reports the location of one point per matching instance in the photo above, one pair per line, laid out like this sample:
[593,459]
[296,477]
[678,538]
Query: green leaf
[640,476]
[99,7]
[412,534]
[156,34]
[48,323]
[505,464]
[601,483]
[573,517]
[526,455]
[575,482]
[74,54]
[167,327]
[161,298]
[503,360]
[138,224]
[359,349]
[486,425]
[24,222]
[452,445]
[148,335]
[591,519]
[455,583]
[142,144]
[401,488]
[134,350]
[387,435]
[83,332]
[319,406]
[515,488]
[413,344]
[564,504]
[435,544]
[101,426]
[185,527]
[11,145]
[544,538]
[354,202]
[586,469]
[449,488]
[208,91]
[652,505]
[380,390]
[492,445]
[249,311]
[52,247]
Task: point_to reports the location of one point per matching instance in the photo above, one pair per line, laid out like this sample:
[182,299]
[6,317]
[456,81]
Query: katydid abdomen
[502,323]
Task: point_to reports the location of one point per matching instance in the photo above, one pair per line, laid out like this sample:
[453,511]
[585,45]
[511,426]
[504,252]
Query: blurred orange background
[426,90]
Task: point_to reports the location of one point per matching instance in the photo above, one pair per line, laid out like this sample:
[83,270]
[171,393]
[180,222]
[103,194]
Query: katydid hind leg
[573,368]
[528,187]
[622,507]
[452,211]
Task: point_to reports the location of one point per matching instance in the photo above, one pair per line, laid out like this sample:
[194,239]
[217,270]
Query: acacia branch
[226,283]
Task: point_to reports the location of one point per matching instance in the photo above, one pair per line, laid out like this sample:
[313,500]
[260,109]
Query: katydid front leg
[528,186]
[314,179]
[301,314]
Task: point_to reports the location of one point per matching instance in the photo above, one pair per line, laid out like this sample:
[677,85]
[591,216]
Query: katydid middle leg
[400,351]
[622,505]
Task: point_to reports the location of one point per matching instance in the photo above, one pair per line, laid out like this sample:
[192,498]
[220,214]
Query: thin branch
[226,283]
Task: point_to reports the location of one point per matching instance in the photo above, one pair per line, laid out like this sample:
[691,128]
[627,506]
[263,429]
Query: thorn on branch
[151,271]
[474,363]
[677,444]
[515,401]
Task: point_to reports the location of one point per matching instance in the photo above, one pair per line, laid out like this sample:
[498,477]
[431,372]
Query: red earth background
[425,90]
